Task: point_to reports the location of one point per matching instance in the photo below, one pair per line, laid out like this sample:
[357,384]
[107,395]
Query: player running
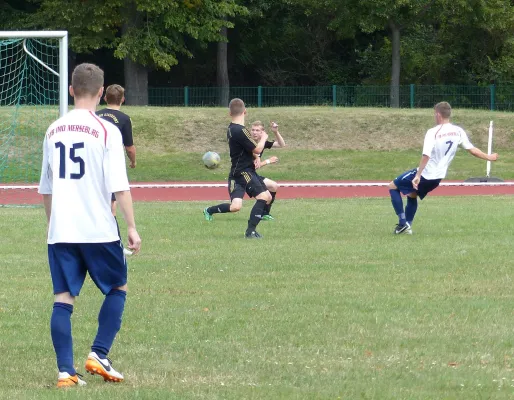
[439,149]
[257,131]
[83,163]
[242,177]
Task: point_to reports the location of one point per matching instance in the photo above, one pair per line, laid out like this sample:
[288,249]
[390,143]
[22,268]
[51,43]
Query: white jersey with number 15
[441,143]
[83,163]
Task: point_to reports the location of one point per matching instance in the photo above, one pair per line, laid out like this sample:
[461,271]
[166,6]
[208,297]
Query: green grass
[322,142]
[328,305]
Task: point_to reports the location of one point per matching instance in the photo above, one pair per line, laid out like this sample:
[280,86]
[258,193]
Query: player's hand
[134,241]
[415,182]
[257,163]
[132,164]
[274,127]
[273,159]
[493,157]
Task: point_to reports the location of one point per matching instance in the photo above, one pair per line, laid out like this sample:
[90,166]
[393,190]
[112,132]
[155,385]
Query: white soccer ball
[211,159]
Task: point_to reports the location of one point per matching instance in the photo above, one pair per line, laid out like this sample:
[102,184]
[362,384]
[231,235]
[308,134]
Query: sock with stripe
[219,209]
[396,200]
[256,215]
[60,329]
[109,321]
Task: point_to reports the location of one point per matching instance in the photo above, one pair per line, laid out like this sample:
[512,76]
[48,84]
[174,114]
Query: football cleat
[208,217]
[267,217]
[66,380]
[253,235]
[103,367]
[399,229]
[408,231]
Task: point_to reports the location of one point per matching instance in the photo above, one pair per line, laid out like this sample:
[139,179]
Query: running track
[207,191]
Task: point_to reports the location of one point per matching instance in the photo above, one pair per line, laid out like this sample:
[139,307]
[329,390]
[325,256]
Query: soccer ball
[211,159]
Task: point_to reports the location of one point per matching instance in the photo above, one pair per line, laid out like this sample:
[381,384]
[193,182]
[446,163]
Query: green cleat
[208,217]
[267,217]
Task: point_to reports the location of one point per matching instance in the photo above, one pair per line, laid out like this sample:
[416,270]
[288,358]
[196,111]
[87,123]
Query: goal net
[33,93]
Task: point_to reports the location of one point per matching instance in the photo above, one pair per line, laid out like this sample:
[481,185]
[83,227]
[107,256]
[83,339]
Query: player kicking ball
[242,177]
[439,149]
[257,131]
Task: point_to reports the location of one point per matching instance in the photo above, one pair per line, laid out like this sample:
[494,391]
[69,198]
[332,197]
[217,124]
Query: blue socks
[60,329]
[410,210]
[109,322]
[396,199]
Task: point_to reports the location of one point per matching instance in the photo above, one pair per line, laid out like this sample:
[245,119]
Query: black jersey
[267,145]
[241,145]
[122,122]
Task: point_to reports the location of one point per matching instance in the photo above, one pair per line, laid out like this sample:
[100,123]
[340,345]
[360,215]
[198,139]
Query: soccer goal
[33,93]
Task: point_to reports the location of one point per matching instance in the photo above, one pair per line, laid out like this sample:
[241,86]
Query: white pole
[63,75]
[489,148]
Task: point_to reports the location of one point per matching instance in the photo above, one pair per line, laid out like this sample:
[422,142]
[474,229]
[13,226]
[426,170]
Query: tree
[146,34]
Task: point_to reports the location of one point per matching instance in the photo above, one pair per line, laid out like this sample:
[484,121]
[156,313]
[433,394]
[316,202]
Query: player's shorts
[69,263]
[404,184]
[248,182]
[113,197]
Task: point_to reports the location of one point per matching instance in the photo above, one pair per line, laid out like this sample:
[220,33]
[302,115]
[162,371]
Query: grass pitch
[328,305]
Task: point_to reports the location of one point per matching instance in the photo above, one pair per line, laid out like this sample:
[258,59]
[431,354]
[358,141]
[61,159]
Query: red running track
[290,190]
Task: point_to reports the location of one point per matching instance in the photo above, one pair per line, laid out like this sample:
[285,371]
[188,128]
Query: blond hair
[258,123]
[86,80]
[114,94]
[444,109]
[236,107]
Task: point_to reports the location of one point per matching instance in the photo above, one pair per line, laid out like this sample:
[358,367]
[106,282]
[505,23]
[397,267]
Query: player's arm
[124,200]
[260,145]
[45,182]
[269,161]
[279,142]
[47,201]
[480,154]
[245,139]
[428,146]
[128,142]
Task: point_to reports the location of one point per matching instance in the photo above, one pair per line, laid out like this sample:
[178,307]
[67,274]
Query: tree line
[280,42]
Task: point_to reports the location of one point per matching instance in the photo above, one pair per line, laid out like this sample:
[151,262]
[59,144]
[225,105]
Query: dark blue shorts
[69,263]
[404,184]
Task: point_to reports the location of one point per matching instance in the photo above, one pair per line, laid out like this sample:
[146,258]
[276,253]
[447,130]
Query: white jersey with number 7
[83,163]
[441,143]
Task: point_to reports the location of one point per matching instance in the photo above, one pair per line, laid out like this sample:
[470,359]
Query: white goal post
[63,58]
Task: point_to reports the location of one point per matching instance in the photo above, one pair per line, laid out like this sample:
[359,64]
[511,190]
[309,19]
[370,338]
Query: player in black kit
[243,178]
[114,97]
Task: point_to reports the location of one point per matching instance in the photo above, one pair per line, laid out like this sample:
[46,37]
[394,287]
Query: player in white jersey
[83,163]
[439,148]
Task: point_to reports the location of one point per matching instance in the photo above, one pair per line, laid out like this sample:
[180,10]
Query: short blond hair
[114,94]
[236,107]
[444,109]
[258,123]
[86,80]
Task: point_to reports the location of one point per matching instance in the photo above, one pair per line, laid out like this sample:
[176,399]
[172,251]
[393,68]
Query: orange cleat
[103,367]
[67,380]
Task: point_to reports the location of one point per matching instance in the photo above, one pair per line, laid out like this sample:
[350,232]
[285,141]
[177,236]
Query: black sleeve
[269,144]
[126,133]
[245,139]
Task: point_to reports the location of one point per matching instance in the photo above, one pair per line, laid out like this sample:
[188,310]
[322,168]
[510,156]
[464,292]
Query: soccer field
[328,305]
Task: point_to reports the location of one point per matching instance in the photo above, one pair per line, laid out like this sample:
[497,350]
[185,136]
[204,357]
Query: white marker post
[489,149]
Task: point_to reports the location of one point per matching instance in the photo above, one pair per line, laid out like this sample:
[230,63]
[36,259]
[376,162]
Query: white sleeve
[464,141]
[429,143]
[46,180]
[115,170]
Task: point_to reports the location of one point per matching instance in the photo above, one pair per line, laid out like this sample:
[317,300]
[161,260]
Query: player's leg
[401,184]
[425,186]
[236,192]
[68,274]
[272,186]
[108,269]
[256,188]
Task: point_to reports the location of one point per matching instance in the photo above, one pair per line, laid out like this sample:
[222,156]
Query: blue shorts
[69,263]
[404,184]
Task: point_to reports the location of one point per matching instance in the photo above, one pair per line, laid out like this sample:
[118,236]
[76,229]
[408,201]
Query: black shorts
[248,182]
